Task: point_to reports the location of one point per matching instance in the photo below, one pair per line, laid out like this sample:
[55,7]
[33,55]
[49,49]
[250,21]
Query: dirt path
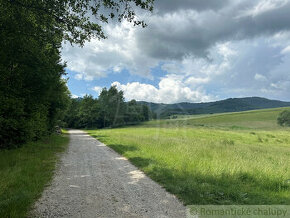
[94,181]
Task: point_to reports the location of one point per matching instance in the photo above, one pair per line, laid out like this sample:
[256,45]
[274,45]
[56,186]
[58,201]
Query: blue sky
[82,87]
[192,51]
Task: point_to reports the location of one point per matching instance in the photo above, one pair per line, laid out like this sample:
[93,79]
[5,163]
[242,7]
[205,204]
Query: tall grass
[210,165]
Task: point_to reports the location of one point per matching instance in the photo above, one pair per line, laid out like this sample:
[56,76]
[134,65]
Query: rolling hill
[227,105]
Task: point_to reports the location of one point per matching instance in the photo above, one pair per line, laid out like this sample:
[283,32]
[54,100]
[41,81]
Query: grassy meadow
[265,119]
[232,158]
[25,171]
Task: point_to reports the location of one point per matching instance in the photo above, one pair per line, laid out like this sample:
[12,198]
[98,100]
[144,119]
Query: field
[234,158]
[25,171]
[257,120]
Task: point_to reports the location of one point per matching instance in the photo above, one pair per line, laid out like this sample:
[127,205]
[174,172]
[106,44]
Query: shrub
[284,118]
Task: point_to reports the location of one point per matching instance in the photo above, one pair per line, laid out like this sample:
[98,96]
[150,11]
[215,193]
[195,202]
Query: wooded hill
[227,105]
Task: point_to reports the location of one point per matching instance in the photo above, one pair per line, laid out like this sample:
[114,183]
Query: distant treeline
[108,110]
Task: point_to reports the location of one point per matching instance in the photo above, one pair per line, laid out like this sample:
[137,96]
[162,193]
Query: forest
[108,110]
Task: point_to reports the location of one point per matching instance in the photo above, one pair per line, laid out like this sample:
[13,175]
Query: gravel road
[92,180]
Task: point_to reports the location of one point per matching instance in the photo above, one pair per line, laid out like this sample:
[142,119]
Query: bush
[284,118]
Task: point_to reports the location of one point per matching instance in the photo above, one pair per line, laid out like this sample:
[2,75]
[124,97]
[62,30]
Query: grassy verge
[210,165]
[24,172]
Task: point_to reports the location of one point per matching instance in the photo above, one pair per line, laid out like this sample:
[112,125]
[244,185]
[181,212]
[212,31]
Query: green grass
[25,171]
[215,163]
[257,119]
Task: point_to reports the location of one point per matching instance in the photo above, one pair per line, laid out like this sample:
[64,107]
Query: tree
[284,118]
[32,92]
[132,114]
[89,112]
[112,107]
[71,117]
[145,112]
[136,112]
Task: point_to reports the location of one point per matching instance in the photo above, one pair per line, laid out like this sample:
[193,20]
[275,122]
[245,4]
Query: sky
[191,51]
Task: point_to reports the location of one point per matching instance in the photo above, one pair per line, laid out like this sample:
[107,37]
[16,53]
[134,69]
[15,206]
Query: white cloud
[74,96]
[83,76]
[138,91]
[97,89]
[171,89]
[196,80]
[286,50]
[120,51]
[264,6]
[236,69]
[274,85]
[260,77]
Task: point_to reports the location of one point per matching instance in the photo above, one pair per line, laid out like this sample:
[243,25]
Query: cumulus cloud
[98,58]
[206,50]
[186,28]
[170,90]
[191,32]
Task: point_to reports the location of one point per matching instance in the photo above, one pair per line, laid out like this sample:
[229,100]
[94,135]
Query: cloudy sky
[192,50]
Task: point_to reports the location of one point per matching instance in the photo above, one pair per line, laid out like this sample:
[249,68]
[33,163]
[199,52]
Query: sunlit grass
[211,165]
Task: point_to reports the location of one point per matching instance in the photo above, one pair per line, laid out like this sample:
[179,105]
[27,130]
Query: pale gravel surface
[92,180]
